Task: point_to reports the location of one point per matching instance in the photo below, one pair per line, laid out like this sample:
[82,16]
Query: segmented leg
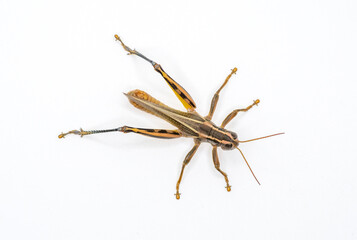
[179,91]
[185,162]
[217,165]
[158,133]
[216,95]
[81,132]
[235,112]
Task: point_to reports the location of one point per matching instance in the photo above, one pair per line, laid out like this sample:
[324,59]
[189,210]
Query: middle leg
[235,112]
[217,166]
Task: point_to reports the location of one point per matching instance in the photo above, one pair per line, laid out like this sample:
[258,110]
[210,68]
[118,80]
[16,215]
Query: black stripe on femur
[155,136]
[187,100]
[172,85]
[163,131]
[167,80]
[148,130]
[182,95]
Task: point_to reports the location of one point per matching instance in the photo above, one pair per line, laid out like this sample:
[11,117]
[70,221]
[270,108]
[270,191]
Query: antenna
[248,165]
[250,140]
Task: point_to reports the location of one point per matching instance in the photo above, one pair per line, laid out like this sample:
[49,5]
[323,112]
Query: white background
[60,69]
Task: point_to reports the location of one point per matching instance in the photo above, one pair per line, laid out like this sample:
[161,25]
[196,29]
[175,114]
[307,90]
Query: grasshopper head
[231,141]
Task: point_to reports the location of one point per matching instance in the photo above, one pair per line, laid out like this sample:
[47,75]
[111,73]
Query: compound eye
[228,146]
[234,135]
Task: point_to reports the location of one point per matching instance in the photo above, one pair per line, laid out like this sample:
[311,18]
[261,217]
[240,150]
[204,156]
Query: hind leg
[158,133]
[179,91]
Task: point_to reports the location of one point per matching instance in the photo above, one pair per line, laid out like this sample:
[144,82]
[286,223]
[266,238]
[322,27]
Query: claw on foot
[228,188]
[234,70]
[76,132]
[256,102]
[126,48]
[177,194]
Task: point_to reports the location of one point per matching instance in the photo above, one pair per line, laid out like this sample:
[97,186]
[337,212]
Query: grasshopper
[189,124]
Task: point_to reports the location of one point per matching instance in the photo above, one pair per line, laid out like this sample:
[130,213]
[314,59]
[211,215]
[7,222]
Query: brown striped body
[190,124]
